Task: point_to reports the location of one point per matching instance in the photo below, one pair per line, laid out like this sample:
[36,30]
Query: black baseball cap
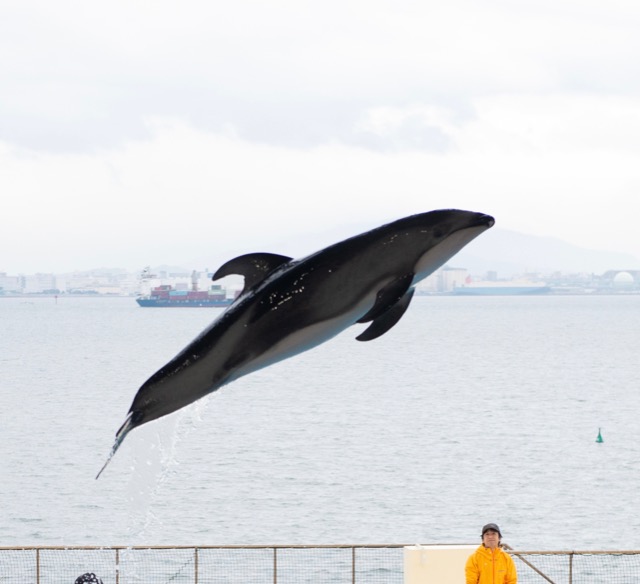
[88,578]
[489,526]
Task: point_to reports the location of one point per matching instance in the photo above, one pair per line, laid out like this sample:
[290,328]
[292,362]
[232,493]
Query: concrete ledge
[436,564]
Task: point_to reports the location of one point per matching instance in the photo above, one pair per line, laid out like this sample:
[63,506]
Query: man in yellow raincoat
[489,564]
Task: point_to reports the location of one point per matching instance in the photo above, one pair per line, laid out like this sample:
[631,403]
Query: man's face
[491,539]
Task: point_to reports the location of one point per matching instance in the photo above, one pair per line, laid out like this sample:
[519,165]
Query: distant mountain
[510,253]
[98,272]
[507,252]
[169,269]
[502,250]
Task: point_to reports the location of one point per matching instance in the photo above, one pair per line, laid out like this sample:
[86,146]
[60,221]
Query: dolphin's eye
[438,233]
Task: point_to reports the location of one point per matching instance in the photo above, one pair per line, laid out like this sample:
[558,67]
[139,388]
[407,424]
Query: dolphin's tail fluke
[120,436]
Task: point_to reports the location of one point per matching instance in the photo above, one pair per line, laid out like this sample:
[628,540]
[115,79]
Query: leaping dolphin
[289,306]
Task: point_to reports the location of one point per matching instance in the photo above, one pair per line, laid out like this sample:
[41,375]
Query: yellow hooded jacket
[486,566]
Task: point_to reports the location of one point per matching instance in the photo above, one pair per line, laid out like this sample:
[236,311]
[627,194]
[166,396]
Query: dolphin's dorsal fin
[387,319]
[254,267]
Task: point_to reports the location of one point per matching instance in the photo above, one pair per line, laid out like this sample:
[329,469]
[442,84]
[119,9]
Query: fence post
[38,566]
[571,568]
[117,565]
[353,565]
[275,565]
[195,565]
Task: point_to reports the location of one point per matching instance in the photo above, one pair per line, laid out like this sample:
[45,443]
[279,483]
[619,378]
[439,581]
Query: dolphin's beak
[487,220]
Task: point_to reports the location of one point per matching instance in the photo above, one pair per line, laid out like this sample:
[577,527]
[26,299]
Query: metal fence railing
[294,564]
[577,567]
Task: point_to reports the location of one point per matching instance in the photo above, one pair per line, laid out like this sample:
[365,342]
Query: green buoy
[599,439]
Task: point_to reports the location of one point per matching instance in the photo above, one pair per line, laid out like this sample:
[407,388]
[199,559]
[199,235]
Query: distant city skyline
[506,252]
[194,132]
[161,284]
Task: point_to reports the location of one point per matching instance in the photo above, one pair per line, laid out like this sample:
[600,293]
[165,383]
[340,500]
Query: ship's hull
[500,290]
[183,303]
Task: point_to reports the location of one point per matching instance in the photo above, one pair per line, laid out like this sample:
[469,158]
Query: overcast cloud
[151,132]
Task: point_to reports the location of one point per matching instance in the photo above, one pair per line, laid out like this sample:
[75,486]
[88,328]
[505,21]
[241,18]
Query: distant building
[445,280]
[620,280]
[10,284]
[99,282]
[39,284]
[451,278]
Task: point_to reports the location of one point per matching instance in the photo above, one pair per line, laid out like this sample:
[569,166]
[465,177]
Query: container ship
[166,296]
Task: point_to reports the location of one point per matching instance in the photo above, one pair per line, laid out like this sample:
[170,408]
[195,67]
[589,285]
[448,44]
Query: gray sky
[135,133]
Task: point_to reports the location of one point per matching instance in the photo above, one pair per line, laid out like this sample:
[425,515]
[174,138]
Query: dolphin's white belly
[307,337]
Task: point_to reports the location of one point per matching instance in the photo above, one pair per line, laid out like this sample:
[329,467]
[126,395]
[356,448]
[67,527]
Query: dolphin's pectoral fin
[388,319]
[254,267]
[388,296]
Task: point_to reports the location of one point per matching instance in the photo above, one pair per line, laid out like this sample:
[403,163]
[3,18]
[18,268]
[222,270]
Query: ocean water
[470,410]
